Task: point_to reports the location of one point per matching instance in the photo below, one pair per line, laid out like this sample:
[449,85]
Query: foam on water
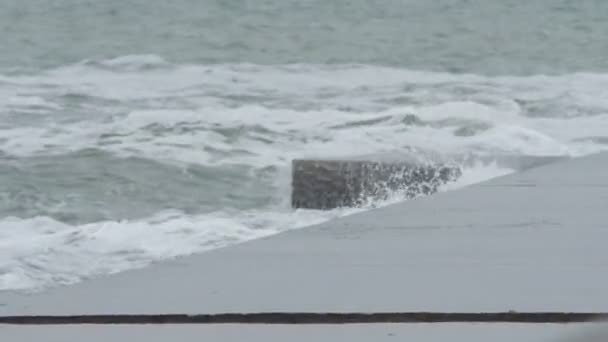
[261,117]
[39,251]
[319,109]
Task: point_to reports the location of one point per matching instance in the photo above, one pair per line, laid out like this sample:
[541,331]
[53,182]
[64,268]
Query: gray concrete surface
[318,333]
[530,241]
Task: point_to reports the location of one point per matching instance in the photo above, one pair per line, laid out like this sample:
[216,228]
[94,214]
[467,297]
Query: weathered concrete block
[328,184]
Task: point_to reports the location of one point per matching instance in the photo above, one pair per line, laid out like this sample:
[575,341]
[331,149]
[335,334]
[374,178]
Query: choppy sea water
[128,138]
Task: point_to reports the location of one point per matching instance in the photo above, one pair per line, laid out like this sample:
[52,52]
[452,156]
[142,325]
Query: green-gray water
[497,37]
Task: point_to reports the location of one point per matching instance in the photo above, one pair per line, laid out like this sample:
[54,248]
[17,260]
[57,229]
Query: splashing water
[115,164]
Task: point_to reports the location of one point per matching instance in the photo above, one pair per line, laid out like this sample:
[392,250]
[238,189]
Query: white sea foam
[301,105]
[40,251]
[264,116]
[476,173]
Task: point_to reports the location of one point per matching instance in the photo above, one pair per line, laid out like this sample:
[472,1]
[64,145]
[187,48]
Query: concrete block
[328,184]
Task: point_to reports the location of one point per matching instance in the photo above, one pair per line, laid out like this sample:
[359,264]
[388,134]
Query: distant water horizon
[507,37]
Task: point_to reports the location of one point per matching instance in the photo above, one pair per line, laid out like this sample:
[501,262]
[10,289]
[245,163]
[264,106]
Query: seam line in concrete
[314,318]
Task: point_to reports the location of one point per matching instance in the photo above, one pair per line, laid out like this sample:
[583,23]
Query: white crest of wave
[40,252]
[136,62]
[477,173]
[315,109]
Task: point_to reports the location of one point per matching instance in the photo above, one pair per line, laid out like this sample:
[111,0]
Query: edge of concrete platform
[413,259]
[550,162]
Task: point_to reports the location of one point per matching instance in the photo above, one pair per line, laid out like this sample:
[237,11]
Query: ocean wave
[326,110]
[41,252]
[246,122]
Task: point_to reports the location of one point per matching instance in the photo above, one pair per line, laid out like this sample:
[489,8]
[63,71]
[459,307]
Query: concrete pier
[298,333]
[531,241]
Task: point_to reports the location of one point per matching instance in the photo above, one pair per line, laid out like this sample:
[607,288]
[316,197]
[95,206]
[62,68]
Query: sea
[137,131]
